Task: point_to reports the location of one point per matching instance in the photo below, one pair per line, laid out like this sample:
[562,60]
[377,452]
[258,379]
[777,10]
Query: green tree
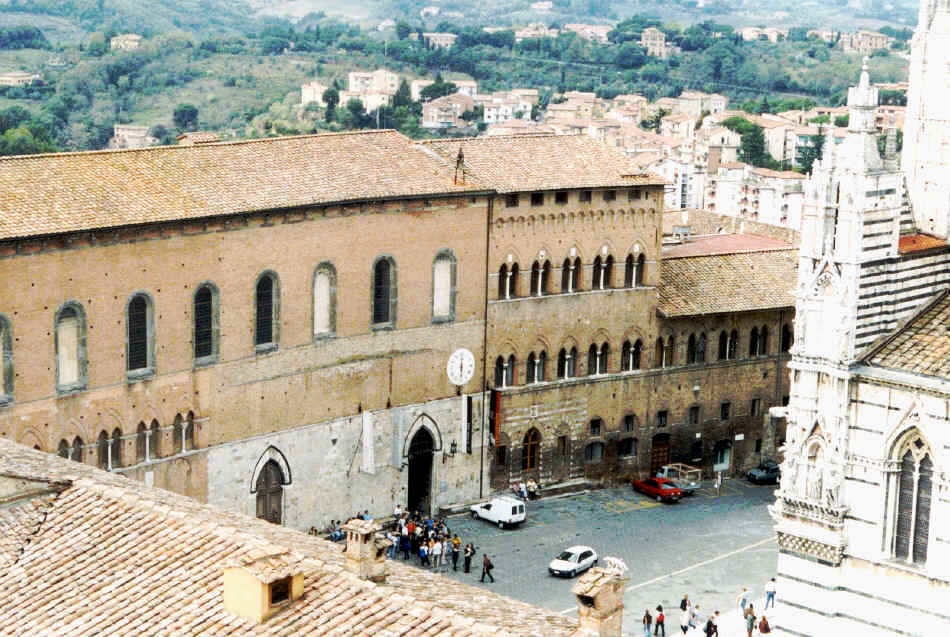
[653,122]
[811,152]
[185,117]
[842,121]
[437,89]
[331,97]
[752,147]
[403,30]
[403,96]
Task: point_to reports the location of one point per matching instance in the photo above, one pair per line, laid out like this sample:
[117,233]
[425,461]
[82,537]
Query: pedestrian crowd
[691,617]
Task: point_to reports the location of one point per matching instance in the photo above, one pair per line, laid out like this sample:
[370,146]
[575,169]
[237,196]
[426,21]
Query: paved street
[705,546]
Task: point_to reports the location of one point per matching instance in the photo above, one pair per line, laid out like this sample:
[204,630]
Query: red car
[660,488]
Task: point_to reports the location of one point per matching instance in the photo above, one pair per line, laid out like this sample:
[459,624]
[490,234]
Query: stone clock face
[461,366]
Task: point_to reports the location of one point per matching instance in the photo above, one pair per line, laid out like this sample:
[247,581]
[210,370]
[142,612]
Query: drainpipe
[481,452]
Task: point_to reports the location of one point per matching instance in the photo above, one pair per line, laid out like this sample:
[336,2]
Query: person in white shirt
[437,554]
[770,593]
[684,621]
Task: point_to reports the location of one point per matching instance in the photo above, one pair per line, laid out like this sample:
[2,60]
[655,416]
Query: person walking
[487,567]
[405,545]
[660,626]
[437,555]
[693,615]
[749,620]
[456,546]
[647,622]
[684,603]
[743,599]
[712,629]
[769,593]
[469,552]
[764,627]
[684,621]
[423,554]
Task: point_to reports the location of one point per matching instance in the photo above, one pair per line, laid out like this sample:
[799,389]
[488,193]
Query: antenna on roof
[460,167]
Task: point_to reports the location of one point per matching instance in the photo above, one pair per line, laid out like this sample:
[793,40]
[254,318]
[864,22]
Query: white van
[503,510]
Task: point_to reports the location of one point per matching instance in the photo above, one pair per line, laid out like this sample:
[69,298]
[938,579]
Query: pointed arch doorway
[270,493]
[420,471]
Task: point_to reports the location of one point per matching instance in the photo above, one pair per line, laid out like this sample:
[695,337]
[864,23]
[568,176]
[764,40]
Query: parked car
[766,473]
[687,477]
[660,488]
[572,561]
[502,510]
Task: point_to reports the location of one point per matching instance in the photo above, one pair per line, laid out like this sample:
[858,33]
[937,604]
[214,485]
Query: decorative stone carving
[811,548]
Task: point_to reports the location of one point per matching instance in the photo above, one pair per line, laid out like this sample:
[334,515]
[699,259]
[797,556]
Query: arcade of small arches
[627,445]
[599,361]
[571,279]
[109,449]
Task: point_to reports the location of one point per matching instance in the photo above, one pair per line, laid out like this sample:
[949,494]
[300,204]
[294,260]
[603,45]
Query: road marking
[688,568]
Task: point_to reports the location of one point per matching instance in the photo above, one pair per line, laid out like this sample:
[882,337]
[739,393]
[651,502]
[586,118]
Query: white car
[502,510]
[572,561]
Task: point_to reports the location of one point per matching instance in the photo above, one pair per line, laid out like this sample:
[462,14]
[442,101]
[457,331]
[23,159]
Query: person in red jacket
[659,625]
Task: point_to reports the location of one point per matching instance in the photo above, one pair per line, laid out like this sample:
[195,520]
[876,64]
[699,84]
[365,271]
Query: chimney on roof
[259,584]
[365,552]
[599,594]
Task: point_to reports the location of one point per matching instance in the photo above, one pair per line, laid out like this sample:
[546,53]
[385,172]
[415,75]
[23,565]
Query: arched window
[384,292]
[529,369]
[562,363]
[500,372]
[691,349]
[627,447]
[324,301]
[141,443]
[659,360]
[206,323]
[270,493]
[443,287]
[266,304]
[510,372]
[116,459]
[70,347]
[763,341]
[786,337]
[140,346]
[531,450]
[597,274]
[629,271]
[155,440]
[536,279]
[513,276]
[177,435]
[723,345]
[607,273]
[594,452]
[640,270]
[670,352]
[6,360]
[593,352]
[754,342]
[914,493]
[503,282]
[545,278]
[701,348]
[626,357]
[102,450]
[63,450]
[541,362]
[637,354]
[733,344]
[76,453]
[603,358]
[577,268]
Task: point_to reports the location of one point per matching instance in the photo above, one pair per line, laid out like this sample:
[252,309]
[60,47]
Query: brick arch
[633,333]
[541,344]
[73,429]
[30,437]
[601,335]
[422,421]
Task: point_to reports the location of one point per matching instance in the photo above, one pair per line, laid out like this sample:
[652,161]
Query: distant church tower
[925,159]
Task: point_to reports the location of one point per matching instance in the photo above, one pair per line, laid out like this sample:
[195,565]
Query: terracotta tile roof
[921,345]
[544,162]
[728,283]
[919,242]
[18,523]
[722,244]
[113,556]
[64,192]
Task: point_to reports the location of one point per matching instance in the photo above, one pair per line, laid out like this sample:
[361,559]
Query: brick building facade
[265,325]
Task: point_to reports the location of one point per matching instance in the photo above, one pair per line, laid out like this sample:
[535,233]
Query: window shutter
[442,288]
[381,292]
[264,333]
[138,334]
[203,323]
